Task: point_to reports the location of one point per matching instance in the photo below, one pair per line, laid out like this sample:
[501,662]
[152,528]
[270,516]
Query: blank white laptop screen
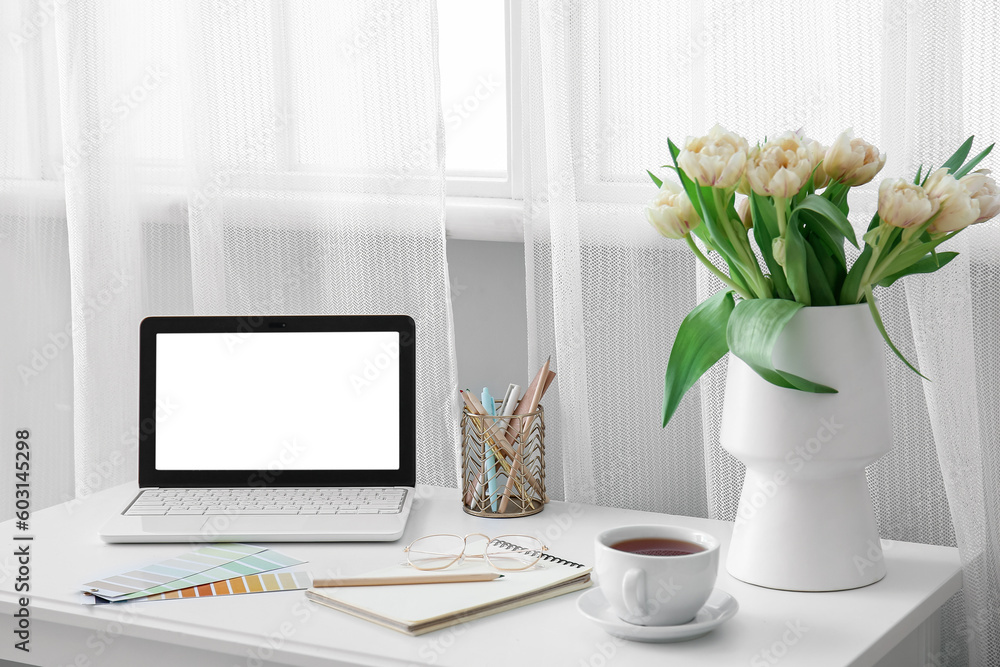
[277,401]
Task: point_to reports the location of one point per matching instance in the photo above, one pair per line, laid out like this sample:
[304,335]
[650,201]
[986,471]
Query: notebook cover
[417,609]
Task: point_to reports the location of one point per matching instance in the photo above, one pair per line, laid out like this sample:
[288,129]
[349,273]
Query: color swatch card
[254,583]
[262,561]
[170,570]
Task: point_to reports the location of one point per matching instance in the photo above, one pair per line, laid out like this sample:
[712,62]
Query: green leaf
[828,212]
[885,335]
[736,275]
[852,283]
[973,163]
[754,327]
[876,221]
[912,255]
[819,287]
[764,231]
[825,232]
[701,231]
[916,179]
[700,343]
[929,264]
[657,181]
[795,262]
[765,206]
[958,157]
[836,194]
[833,269]
[690,187]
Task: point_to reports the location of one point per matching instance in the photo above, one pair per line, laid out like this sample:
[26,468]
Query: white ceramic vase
[805,519]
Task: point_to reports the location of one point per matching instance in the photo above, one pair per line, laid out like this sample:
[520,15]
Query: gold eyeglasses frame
[461,556]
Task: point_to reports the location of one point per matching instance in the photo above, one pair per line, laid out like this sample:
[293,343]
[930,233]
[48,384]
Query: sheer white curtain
[605,84]
[215,157]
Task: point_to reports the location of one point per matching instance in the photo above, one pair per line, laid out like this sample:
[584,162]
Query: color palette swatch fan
[220,569]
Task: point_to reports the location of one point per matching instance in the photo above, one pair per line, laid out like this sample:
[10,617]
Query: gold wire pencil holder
[503,464]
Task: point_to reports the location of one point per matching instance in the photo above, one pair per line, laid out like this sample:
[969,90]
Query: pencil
[408,579]
[540,383]
[504,446]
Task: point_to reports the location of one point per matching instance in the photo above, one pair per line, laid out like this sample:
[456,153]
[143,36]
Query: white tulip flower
[984,190]
[851,160]
[903,204]
[958,209]
[671,213]
[717,159]
[817,155]
[779,168]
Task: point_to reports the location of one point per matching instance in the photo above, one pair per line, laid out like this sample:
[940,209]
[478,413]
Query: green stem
[738,235]
[779,209]
[879,272]
[877,275]
[711,267]
[865,283]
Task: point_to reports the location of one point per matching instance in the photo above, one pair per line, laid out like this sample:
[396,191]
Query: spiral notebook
[419,608]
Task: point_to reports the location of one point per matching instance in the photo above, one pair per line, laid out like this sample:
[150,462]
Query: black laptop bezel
[150,476]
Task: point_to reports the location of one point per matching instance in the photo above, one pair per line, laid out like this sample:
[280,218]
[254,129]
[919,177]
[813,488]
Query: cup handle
[634,591]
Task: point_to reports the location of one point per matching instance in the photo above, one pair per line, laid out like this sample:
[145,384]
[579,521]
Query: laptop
[273,429]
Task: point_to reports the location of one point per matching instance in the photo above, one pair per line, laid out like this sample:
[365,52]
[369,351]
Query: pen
[491,461]
[502,443]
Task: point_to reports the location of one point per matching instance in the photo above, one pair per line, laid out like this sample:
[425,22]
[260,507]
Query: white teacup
[656,590]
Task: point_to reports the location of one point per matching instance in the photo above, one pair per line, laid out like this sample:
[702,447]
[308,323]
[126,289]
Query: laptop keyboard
[257,501]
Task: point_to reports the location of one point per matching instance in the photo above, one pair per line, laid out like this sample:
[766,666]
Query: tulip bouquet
[794,209]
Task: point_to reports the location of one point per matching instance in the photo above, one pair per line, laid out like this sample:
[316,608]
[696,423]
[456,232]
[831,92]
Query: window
[472,56]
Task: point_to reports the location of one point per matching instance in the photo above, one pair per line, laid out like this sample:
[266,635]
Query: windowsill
[484,219]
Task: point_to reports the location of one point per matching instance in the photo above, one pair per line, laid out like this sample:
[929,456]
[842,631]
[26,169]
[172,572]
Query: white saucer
[720,607]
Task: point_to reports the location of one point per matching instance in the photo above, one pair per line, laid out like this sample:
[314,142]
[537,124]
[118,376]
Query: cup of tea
[656,575]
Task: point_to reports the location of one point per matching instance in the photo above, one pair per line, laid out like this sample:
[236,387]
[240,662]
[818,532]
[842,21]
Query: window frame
[476,207]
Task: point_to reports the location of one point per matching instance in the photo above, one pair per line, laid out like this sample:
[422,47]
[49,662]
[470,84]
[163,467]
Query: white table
[885,622]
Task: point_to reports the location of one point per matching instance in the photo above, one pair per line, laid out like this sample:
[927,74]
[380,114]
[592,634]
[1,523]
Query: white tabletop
[843,628]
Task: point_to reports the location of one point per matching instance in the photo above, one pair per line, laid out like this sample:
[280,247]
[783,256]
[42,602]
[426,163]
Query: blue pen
[491,459]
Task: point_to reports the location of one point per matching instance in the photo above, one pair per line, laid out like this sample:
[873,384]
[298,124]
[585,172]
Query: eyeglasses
[505,553]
